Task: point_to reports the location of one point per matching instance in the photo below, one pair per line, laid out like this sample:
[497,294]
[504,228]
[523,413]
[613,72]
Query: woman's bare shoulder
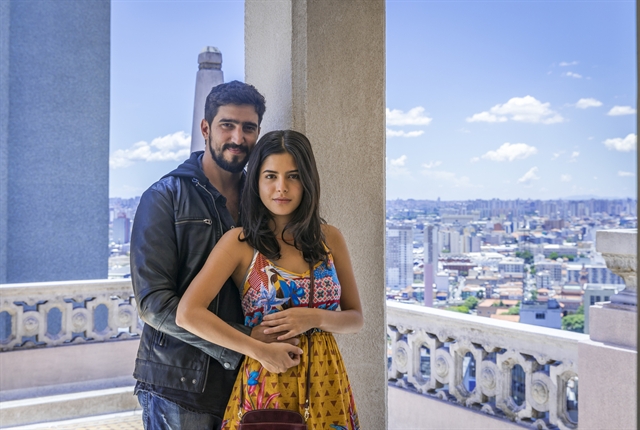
[332,235]
[232,241]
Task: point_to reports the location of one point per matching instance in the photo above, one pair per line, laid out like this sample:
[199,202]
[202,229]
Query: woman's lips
[282,201]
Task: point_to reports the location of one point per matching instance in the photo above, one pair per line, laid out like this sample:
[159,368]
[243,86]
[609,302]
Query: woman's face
[280,186]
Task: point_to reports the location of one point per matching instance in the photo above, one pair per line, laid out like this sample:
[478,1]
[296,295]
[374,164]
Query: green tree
[533,270]
[554,256]
[574,322]
[526,255]
[534,295]
[514,310]
[580,310]
[471,302]
[462,309]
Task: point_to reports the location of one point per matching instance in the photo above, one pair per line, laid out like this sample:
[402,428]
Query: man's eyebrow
[235,121]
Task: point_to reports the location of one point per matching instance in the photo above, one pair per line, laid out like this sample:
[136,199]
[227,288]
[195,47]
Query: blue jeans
[162,414]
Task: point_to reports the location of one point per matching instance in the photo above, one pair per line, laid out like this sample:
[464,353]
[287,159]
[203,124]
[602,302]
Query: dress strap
[249,269]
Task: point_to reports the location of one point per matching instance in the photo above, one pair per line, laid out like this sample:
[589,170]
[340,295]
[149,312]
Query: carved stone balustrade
[61,313]
[619,249]
[523,373]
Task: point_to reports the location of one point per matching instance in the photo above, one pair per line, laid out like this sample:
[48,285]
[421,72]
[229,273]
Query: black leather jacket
[178,221]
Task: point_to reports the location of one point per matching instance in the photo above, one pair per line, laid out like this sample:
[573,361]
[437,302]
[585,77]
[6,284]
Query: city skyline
[530,100]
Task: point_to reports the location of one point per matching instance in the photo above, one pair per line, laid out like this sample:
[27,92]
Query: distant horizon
[571,198]
[521,100]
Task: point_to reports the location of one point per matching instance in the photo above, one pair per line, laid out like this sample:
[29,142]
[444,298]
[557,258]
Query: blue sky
[499,99]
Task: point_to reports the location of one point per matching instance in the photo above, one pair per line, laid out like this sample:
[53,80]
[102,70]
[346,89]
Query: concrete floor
[122,421]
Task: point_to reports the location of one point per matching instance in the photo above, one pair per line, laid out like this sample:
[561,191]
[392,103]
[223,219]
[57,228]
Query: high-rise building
[122,230]
[431,253]
[399,256]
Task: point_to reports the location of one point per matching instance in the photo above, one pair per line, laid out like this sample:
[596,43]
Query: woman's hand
[292,321]
[279,357]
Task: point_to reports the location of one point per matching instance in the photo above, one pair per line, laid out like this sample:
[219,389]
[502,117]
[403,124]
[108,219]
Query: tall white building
[431,253]
[399,256]
[454,243]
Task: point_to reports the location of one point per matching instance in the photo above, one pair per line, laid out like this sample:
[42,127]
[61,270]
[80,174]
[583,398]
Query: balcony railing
[523,373]
[62,313]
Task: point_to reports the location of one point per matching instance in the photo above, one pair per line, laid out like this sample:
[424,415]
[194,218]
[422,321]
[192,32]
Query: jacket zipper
[215,207]
[206,221]
[161,339]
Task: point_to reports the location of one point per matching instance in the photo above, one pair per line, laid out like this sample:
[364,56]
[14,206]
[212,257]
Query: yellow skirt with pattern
[331,401]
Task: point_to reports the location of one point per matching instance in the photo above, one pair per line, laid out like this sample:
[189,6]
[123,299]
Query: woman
[270,258]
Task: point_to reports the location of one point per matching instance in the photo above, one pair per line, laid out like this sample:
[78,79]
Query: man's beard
[233,166]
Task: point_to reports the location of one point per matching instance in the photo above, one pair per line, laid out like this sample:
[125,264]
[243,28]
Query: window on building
[540,315]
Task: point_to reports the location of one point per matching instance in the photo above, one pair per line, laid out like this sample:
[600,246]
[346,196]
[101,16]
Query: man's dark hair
[305,225]
[233,93]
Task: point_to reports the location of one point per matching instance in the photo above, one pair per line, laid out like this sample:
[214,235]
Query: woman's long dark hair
[305,224]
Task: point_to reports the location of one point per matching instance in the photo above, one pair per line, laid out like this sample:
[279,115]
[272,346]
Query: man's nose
[238,136]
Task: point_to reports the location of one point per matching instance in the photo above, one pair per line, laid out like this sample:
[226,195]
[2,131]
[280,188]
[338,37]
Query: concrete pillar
[608,359]
[54,140]
[321,66]
[4,134]
[209,75]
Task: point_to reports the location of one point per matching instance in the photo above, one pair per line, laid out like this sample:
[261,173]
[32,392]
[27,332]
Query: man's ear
[205,129]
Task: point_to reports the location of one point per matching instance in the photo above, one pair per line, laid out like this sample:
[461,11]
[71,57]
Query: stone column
[209,75]
[54,140]
[321,66]
[608,360]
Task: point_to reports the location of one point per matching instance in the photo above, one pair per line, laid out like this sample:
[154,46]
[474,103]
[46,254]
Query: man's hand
[258,333]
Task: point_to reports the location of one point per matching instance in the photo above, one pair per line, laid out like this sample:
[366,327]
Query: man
[184,382]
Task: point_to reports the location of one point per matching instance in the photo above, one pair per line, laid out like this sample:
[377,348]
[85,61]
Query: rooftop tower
[209,75]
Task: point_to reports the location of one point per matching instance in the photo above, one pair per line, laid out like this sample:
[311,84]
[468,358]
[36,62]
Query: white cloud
[623,145]
[451,178]
[521,109]
[399,161]
[621,110]
[565,178]
[172,147]
[530,176]
[587,103]
[574,157]
[431,164]
[621,173]
[475,159]
[511,152]
[396,167]
[573,75]
[401,133]
[486,117]
[565,63]
[412,117]
[556,155]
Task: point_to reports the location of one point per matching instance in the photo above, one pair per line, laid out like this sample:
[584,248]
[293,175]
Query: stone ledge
[68,406]
[615,326]
[617,241]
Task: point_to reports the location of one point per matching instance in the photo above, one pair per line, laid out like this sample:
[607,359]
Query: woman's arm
[227,259]
[348,320]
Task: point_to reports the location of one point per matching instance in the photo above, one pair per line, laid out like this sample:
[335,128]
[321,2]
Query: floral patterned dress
[268,289]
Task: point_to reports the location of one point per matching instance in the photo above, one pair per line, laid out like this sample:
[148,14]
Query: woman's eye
[294,176]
